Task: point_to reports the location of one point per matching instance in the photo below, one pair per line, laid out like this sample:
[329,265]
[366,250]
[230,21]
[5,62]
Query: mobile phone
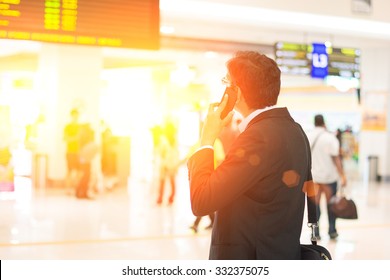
[231,92]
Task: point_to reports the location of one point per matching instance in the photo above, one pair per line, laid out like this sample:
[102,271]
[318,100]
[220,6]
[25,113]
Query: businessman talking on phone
[258,190]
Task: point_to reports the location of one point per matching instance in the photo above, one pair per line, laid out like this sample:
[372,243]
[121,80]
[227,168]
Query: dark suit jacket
[257,191]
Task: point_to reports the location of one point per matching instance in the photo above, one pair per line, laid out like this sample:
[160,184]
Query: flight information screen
[292,58]
[110,23]
[317,60]
[344,62]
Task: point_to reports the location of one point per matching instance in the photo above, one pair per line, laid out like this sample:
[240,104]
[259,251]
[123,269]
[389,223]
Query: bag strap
[315,140]
[312,212]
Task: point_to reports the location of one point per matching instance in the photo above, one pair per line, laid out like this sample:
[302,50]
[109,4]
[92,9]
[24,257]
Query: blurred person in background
[35,141]
[72,138]
[88,150]
[327,168]
[108,157]
[6,162]
[169,160]
[6,169]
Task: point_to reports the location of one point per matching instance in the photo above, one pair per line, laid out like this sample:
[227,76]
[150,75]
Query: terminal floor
[126,224]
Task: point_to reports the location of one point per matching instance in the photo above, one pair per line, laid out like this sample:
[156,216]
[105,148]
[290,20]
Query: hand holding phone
[231,92]
[218,116]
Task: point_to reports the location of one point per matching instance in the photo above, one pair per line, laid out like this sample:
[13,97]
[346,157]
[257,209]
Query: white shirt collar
[242,126]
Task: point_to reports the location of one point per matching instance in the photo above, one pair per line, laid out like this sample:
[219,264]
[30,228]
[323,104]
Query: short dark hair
[258,77]
[319,120]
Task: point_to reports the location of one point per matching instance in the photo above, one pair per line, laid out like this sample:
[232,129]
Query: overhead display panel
[344,62]
[319,60]
[114,23]
[292,58]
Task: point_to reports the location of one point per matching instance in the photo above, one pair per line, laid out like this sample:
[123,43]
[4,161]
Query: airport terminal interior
[158,75]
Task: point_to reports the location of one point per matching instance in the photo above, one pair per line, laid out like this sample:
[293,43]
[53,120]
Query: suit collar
[276,112]
[243,125]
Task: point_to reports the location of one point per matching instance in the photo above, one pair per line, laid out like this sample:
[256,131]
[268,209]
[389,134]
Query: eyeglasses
[226,82]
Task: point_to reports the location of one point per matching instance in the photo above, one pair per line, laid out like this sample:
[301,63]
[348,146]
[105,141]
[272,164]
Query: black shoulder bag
[313,251]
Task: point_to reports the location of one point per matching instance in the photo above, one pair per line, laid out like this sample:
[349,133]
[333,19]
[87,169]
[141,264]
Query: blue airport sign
[320,61]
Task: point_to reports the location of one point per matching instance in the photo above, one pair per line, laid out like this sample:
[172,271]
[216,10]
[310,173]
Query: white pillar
[68,76]
[376,81]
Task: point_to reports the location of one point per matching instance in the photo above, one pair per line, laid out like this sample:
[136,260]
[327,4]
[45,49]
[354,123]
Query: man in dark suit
[258,190]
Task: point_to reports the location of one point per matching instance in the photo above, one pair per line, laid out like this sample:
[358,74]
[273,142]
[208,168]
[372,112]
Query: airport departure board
[298,59]
[110,23]
[344,62]
[292,58]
